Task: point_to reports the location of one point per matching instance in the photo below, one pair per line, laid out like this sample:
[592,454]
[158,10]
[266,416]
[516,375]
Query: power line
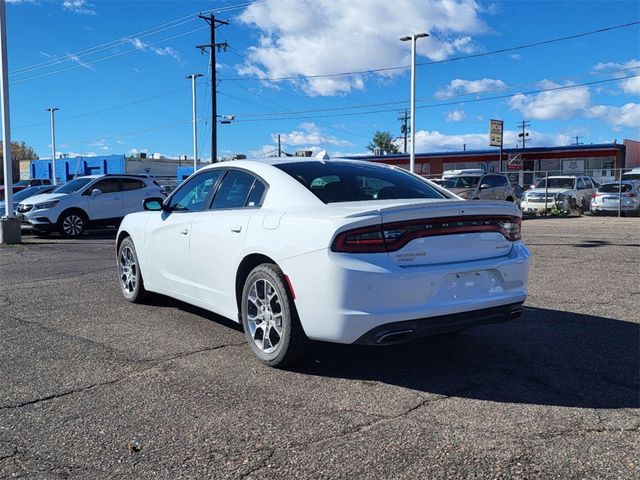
[84,64]
[401,102]
[457,102]
[448,60]
[124,40]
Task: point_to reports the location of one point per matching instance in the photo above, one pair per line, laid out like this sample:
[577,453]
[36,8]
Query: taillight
[390,237]
[594,195]
[360,240]
[631,194]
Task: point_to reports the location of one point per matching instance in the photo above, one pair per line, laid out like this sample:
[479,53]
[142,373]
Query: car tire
[72,224]
[129,274]
[270,320]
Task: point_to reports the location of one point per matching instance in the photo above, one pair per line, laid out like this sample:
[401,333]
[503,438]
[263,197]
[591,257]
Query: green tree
[383,141]
[19,151]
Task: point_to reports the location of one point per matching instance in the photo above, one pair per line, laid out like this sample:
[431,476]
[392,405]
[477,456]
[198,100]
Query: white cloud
[310,37]
[435,141]
[160,51]
[456,115]
[515,56]
[625,116]
[460,86]
[76,59]
[309,135]
[574,102]
[629,85]
[79,6]
[555,104]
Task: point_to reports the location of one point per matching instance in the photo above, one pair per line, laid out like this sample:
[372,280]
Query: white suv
[85,202]
[565,192]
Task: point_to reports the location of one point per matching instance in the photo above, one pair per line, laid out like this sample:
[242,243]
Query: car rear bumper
[349,296]
[399,332]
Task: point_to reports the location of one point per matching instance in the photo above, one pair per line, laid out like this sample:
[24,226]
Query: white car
[565,192]
[87,202]
[339,251]
[609,195]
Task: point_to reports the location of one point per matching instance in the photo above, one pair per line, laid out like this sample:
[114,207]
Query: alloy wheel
[265,315]
[128,270]
[73,225]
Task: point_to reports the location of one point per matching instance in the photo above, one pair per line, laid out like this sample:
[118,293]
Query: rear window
[355,182]
[631,176]
[461,182]
[615,188]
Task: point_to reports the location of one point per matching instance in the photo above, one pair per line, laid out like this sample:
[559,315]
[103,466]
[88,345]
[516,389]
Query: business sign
[495,133]
[573,166]
[515,162]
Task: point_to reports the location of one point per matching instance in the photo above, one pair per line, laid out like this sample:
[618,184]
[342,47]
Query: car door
[167,234]
[104,199]
[218,236]
[134,191]
[489,192]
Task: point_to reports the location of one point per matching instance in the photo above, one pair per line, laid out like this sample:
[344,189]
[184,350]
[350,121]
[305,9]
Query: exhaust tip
[515,314]
[394,337]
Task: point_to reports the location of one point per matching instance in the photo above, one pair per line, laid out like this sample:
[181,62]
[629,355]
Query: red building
[601,161]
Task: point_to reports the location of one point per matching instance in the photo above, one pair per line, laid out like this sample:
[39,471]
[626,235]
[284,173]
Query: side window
[234,190]
[580,184]
[490,180]
[587,182]
[132,184]
[503,181]
[108,185]
[255,196]
[193,195]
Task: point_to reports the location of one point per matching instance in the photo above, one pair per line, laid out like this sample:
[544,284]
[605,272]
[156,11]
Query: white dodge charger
[339,251]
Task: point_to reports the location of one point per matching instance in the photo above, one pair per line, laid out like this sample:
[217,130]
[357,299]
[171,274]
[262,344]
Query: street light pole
[193,77]
[53,143]
[413,38]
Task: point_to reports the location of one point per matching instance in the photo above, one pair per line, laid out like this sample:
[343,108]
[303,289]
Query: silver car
[608,197]
[488,186]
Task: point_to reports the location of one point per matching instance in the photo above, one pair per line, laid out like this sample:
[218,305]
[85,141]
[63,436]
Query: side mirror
[154,204]
[484,186]
[95,192]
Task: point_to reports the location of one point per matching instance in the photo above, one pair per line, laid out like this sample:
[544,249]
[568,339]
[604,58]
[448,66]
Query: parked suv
[632,175]
[476,185]
[564,193]
[86,202]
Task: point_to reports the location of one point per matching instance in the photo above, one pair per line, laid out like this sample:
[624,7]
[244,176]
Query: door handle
[184,231]
[236,228]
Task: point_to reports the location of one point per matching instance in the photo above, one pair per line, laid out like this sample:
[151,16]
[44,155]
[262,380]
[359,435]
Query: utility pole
[279,147]
[524,125]
[578,143]
[53,143]
[9,224]
[212,47]
[193,77]
[403,128]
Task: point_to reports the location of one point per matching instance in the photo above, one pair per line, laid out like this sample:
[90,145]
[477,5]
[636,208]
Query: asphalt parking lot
[93,387]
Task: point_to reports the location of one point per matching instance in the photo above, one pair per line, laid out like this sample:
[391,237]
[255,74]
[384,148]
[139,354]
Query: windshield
[355,182]
[557,183]
[73,186]
[460,182]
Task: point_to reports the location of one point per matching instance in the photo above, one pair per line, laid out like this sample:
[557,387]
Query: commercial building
[523,165]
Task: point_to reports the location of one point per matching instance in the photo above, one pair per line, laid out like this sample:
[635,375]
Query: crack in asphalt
[61,277]
[156,364]
[364,426]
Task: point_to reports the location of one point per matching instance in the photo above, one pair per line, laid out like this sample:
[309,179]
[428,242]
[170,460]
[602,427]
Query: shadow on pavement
[547,357]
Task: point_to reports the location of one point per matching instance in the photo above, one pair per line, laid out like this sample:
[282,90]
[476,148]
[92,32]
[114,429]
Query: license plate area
[468,285]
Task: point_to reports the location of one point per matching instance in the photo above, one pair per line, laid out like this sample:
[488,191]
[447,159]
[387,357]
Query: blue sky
[116,70]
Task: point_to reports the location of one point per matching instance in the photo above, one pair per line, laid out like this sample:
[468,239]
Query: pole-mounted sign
[495,133]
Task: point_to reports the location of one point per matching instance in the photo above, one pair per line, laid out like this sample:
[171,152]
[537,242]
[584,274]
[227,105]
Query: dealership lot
[94,387]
